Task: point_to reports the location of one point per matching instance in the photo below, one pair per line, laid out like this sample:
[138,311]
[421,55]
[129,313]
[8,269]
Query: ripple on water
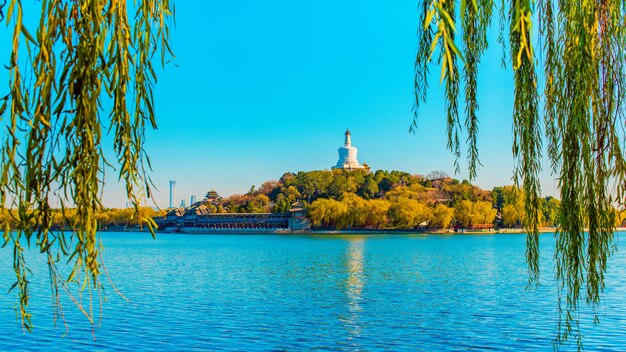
[299,293]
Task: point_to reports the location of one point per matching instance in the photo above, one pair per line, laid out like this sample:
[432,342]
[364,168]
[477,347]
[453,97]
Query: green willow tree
[582,55]
[86,69]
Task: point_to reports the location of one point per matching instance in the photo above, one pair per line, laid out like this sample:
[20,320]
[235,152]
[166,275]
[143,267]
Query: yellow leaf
[445,14]
[433,45]
[429,18]
[450,62]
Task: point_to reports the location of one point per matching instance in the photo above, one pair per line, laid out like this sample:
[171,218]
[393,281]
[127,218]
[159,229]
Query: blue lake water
[334,293]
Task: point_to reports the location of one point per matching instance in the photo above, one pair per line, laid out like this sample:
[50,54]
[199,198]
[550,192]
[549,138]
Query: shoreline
[349,232]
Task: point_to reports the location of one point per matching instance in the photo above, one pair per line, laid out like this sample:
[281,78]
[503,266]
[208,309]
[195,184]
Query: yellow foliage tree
[483,213]
[327,212]
[442,216]
[408,213]
[463,213]
[377,213]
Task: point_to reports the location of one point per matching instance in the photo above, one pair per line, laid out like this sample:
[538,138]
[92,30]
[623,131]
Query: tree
[385,185]
[550,211]
[259,203]
[235,203]
[312,184]
[497,197]
[512,215]
[291,194]
[401,192]
[388,180]
[268,187]
[87,67]
[442,217]
[377,213]
[435,175]
[327,212]
[483,213]
[584,79]
[339,185]
[369,188]
[463,214]
[458,191]
[281,205]
[506,195]
[356,215]
[409,213]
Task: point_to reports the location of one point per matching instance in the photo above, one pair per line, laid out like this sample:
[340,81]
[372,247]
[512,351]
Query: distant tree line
[387,199]
[107,218]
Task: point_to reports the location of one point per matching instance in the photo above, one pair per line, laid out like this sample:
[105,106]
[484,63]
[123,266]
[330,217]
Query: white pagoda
[347,156]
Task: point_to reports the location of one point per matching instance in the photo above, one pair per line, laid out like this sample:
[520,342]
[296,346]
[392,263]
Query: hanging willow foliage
[584,124]
[84,70]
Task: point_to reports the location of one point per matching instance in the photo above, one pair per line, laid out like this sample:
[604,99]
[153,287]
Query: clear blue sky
[265,87]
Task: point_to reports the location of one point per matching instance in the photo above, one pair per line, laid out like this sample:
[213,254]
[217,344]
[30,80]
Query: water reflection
[354,287]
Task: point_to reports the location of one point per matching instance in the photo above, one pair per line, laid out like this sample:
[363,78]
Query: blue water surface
[301,293]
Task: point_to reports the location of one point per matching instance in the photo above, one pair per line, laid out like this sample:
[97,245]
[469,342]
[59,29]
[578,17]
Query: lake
[314,292]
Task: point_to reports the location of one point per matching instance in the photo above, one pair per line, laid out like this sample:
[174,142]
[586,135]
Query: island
[352,197]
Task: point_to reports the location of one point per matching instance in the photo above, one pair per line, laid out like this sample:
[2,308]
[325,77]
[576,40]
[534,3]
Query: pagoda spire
[348,141]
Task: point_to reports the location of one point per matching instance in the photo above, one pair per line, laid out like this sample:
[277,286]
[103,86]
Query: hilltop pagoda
[347,156]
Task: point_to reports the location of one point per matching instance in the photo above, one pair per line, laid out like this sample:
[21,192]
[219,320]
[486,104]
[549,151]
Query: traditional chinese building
[198,219]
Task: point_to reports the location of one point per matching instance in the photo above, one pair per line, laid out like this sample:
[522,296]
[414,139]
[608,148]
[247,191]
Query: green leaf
[10,11]
[443,69]
[28,35]
[450,42]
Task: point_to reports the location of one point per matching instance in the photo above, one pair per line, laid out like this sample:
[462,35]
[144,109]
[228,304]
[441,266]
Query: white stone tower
[347,156]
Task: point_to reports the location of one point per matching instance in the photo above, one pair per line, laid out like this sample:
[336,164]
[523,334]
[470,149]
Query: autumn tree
[413,191]
[356,214]
[442,217]
[483,213]
[463,214]
[327,212]
[268,187]
[377,211]
[409,213]
[512,215]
